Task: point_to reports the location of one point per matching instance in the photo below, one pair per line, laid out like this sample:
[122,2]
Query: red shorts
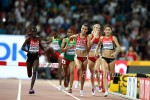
[65,61]
[58,55]
[82,59]
[93,58]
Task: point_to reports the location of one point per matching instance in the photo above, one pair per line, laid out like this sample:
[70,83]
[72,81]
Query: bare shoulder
[114,37]
[27,39]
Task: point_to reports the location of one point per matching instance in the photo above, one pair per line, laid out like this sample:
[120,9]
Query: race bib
[34,46]
[63,61]
[93,47]
[34,49]
[55,46]
[71,51]
[108,45]
[80,47]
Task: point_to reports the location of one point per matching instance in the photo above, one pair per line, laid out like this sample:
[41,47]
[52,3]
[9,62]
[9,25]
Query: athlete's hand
[97,31]
[113,54]
[96,54]
[69,47]
[30,52]
[66,48]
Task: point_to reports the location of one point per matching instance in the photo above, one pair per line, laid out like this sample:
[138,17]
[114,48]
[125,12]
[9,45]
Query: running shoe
[81,92]
[101,89]
[31,91]
[67,88]
[70,90]
[77,85]
[106,94]
[60,88]
[93,91]
[65,83]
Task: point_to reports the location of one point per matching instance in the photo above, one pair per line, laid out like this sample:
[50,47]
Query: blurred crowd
[130,19]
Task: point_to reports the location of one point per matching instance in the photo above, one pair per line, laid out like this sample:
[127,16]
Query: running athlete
[68,62]
[110,48]
[94,61]
[82,49]
[31,46]
[53,54]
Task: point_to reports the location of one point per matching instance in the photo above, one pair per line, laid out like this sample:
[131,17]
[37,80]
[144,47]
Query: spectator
[129,18]
[131,55]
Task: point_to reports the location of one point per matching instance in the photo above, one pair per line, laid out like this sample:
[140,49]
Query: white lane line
[123,96]
[63,90]
[19,90]
[120,95]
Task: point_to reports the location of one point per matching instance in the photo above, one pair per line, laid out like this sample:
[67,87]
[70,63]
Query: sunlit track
[13,89]
[63,90]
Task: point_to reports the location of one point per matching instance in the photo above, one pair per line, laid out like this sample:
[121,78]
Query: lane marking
[19,90]
[119,95]
[123,96]
[63,90]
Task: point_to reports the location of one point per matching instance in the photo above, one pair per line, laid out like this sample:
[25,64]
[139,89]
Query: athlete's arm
[90,37]
[47,42]
[137,56]
[118,46]
[41,46]
[62,48]
[72,37]
[25,44]
[88,44]
[98,46]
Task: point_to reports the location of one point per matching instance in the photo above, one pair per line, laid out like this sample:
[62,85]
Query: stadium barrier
[125,85]
[144,91]
[132,87]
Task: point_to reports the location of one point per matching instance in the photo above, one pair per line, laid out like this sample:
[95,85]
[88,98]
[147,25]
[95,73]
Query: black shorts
[108,60]
[32,57]
[53,60]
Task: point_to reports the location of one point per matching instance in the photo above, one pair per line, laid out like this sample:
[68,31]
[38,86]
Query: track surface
[14,89]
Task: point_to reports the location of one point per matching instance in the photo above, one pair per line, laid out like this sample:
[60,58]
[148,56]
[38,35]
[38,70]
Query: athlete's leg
[78,67]
[97,77]
[84,68]
[35,68]
[71,74]
[111,72]
[60,70]
[105,72]
[97,69]
[112,69]
[91,68]
[65,68]
[83,76]
[29,68]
